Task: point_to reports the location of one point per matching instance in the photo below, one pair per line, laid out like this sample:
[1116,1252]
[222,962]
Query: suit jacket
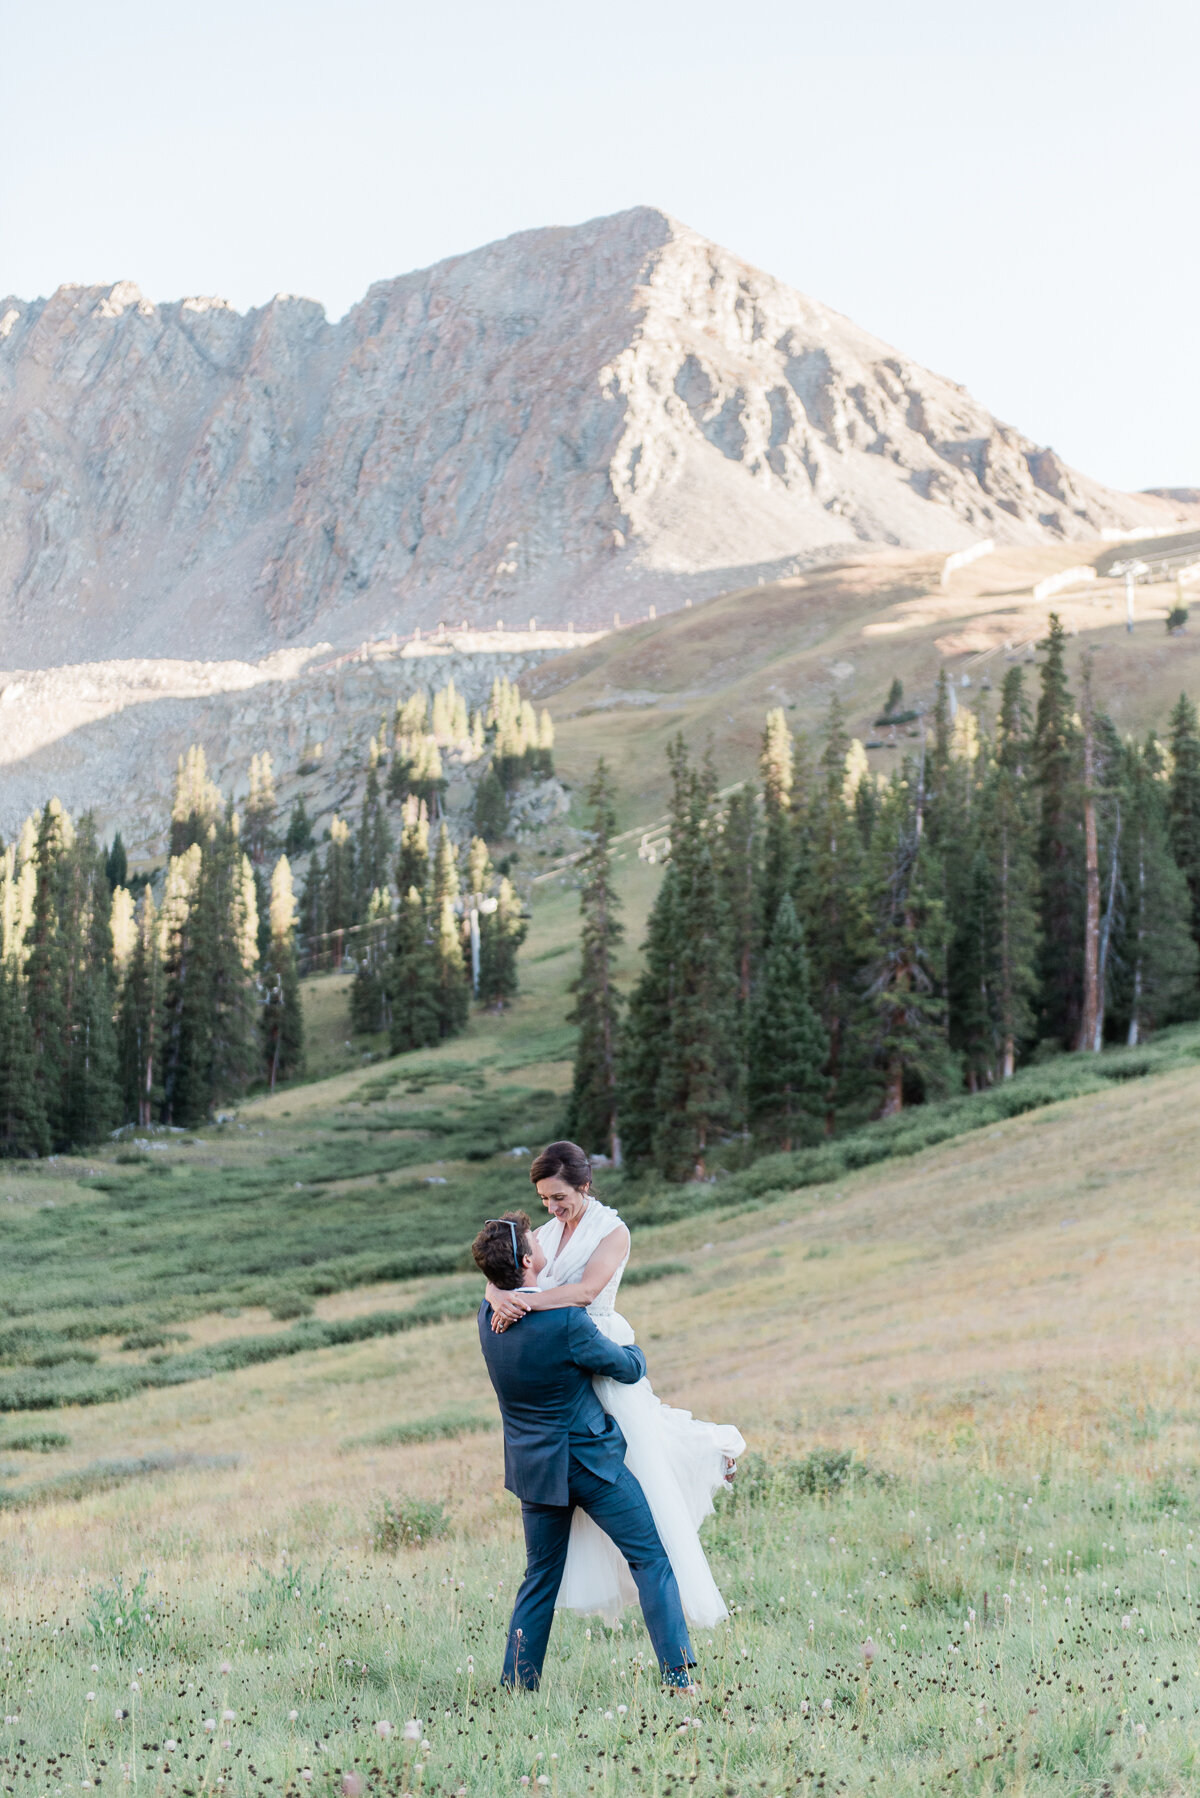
[542,1371]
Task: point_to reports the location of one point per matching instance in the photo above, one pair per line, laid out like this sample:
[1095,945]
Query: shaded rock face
[525,430]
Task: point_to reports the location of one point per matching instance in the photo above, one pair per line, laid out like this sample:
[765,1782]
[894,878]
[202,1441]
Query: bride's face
[561,1200]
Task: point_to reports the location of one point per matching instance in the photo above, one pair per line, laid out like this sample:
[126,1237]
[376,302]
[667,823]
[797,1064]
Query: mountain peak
[521,430]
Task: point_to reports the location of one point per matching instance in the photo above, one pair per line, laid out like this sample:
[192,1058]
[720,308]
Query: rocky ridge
[531,429]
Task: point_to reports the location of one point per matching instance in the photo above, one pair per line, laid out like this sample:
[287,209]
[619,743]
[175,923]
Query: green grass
[960,1634]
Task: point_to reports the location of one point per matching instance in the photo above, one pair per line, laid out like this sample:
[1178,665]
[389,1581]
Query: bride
[580,1254]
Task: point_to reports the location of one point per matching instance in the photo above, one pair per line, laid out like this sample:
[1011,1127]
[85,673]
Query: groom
[562,1449]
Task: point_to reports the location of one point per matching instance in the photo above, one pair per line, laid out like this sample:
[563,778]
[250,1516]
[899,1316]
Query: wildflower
[1139,1729]
[292,1715]
[226,1666]
[622,1710]
[608,1716]
[171,1745]
[1127,1622]
[524,1779]
[827,1704]
[352,1785]
[210,1723]
[543,1779]
[306,1775]
[383,1729]
[869,1651]
[120,1715]
[804,1707]
[228,1716]
[133,1686]
[412,1730]
[91,1698]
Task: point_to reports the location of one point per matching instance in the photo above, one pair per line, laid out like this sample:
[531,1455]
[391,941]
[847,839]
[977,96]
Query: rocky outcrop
[525,430]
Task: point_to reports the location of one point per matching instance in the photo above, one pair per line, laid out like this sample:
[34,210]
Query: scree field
[253,1536]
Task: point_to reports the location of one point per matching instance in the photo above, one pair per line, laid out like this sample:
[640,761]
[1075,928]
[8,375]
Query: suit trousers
[620,1509]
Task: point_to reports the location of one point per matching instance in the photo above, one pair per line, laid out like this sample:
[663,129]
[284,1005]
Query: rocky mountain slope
[561,425]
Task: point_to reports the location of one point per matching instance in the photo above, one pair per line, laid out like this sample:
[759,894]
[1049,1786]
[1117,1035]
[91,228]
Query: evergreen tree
[24,1130]
[1183,804]
[453,985]
[91,1102]
[1155,961]
[45,985]
[198,804]
[116,863]
[140,1020]
[644,1037]
[592,1117]
[186,932]
[370,1005]
[738,874]
[373,850]
[1060,860]
[776,767]
[282,1012]
[260,808]
[338,887]
[697,1093]
[1005,914]
[299,837]
[412,981]
[832,905]
[906,971]
[491,807]
[501,932]
[788,1047]
[412,869]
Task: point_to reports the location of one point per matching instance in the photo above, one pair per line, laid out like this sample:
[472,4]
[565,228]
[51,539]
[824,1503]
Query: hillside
[714,670]
[965,1377]
[562,425]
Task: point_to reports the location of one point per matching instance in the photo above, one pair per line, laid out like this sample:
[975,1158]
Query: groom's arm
[591,1349]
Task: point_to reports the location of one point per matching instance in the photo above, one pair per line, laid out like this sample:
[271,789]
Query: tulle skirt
[679,1462]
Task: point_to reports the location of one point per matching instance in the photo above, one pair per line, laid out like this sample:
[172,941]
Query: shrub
[443,1426]
[653,1270]
[291,1305]
[37,1442]
[406,1524]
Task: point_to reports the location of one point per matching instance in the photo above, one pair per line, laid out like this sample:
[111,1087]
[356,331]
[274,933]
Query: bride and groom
[613,1483]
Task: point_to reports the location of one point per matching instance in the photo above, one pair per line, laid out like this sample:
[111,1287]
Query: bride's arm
[508,1307]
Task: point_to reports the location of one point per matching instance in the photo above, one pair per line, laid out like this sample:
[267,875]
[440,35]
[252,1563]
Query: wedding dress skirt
[679,1462]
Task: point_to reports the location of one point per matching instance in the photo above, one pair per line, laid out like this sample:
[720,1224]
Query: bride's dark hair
[562,1161]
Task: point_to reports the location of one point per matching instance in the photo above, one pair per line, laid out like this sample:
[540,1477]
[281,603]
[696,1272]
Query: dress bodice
[564,1269]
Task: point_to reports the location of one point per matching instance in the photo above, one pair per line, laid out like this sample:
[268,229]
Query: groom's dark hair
[500,1247]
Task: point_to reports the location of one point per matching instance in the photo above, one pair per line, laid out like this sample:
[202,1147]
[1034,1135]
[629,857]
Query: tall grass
[965,1635]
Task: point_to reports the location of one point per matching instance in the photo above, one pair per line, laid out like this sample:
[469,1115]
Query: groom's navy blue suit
[562,1449]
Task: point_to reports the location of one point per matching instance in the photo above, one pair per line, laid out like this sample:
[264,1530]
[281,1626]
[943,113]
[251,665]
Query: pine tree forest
[837,944]
[828,944]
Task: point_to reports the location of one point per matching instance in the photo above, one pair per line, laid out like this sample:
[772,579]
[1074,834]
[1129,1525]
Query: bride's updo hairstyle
[562,1161]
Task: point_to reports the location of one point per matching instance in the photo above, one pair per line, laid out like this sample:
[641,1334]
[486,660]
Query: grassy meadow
[251,1515]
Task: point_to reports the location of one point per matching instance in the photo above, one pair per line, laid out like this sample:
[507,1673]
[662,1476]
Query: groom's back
[547,1403]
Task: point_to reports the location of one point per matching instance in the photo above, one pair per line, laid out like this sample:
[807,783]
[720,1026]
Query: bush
[37,1442]
[654,1270]
[289,1306]
[407,1523]
[443,1426]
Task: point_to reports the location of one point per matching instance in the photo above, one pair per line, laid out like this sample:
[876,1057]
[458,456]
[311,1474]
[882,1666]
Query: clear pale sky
[1007,193]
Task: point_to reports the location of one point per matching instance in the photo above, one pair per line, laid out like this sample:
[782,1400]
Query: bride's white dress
[678,1461]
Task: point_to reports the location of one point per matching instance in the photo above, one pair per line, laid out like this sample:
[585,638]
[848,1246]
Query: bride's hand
[507,1307]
